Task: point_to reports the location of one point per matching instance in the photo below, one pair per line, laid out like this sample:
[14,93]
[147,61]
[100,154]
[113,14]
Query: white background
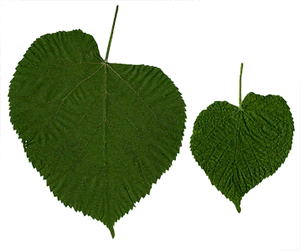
[200,46]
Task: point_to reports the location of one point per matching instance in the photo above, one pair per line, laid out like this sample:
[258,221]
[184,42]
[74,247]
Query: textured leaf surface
[238,148]
[100,134]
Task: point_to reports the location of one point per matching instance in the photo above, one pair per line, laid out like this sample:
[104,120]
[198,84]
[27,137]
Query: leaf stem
[240,88]
[111,34]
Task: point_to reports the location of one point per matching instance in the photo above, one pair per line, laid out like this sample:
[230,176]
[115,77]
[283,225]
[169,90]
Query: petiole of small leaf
[240,88]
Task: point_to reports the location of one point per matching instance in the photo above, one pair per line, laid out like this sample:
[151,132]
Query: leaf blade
[100,134]
[238,148]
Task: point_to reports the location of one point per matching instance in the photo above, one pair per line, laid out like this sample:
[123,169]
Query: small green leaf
[100,133]
[238,147]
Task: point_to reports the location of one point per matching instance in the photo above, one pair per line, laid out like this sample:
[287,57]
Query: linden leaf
[238,147]
[100,133]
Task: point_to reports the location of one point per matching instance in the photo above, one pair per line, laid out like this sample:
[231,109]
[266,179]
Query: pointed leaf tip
[238,207]
[112,232]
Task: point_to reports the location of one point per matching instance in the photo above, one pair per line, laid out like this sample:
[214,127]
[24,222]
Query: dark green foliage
[239,147]
[100,134]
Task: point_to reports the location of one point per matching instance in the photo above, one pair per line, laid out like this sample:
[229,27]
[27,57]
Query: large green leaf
[238,147]
[100,133]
